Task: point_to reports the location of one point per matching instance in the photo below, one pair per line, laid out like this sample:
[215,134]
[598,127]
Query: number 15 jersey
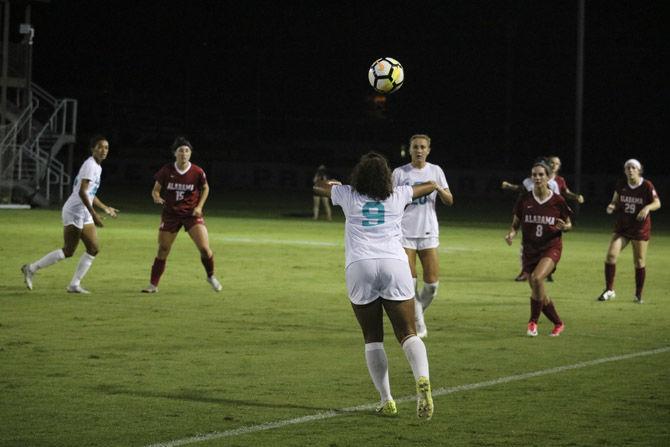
[373,228]
[180,189]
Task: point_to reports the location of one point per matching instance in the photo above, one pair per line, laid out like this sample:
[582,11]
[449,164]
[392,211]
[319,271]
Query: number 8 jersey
[538,221]
[373,228]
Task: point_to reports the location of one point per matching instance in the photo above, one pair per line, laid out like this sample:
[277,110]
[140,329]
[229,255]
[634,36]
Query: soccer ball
[386,75]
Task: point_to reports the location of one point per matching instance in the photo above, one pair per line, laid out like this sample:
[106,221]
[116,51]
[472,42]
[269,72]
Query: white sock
[428,292]
[416,292]
[47,260]
[418,310]
[84,264]
[416,354]
[375,357]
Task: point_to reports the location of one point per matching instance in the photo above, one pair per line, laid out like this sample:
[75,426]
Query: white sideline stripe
[248,240]
[366,407]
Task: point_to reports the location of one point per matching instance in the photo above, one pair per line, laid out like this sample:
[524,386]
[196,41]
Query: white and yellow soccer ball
[386,75]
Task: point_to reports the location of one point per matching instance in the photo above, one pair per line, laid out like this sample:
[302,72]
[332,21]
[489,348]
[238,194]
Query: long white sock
[47,260]
[416,354]
[375,357]
[418,310]
[84,264]
[416,292]
[428,292]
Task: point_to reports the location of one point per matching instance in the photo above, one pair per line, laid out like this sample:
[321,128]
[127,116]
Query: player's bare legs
[326,206]
[430,262]
[418,307]
[200,237]
[89,236]
[617,243]
[640,260]
[71,238]
[165,241]
[315,207]
[401,314]
[539,301]
[370,319]
[536,280]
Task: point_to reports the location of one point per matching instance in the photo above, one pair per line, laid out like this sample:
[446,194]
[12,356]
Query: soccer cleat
[523,276]
[421,329]
[532,329]
[76,289]
[607,295]
[556,331]
[638,300]
[216,285]
[387,408]
[424,400]
[27,276]
[150,289]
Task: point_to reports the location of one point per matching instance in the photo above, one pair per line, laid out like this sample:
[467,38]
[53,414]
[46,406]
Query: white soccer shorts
[420,243]
[369,279]
[77,219]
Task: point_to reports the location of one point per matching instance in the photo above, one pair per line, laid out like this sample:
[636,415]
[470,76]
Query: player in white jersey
[79,219]
[419,224]
[377,273]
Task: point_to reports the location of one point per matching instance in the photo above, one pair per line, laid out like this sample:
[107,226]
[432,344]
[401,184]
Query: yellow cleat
[387,408]
[424,400]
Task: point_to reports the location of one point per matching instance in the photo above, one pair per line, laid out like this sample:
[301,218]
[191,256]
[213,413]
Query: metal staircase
[29,167]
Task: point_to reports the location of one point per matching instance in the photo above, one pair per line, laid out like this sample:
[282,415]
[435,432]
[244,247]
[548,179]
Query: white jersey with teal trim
[420,219]
[373,228]
[528,185]
[91,171]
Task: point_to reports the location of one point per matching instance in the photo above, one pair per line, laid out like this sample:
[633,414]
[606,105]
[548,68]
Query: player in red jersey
[633,200]
[185,193]
[555,164]
[543,217]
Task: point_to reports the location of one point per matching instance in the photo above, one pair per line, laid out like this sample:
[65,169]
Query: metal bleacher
[34,125]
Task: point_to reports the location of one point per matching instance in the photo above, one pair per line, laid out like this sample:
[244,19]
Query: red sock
[209,265]
[535,310]
[550,312]
[639,281]
[610,270]
[157,270]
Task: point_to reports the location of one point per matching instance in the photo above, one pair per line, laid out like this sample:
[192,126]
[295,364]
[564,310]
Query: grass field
[277,357]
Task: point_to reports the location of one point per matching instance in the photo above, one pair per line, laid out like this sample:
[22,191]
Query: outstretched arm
[323,187]
[423,189]
[573,196]
[510,186]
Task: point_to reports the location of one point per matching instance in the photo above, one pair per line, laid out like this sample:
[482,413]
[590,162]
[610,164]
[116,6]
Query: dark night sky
[491,81]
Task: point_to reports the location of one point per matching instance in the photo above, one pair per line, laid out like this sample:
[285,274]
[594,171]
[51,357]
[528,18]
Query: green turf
[120,368]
